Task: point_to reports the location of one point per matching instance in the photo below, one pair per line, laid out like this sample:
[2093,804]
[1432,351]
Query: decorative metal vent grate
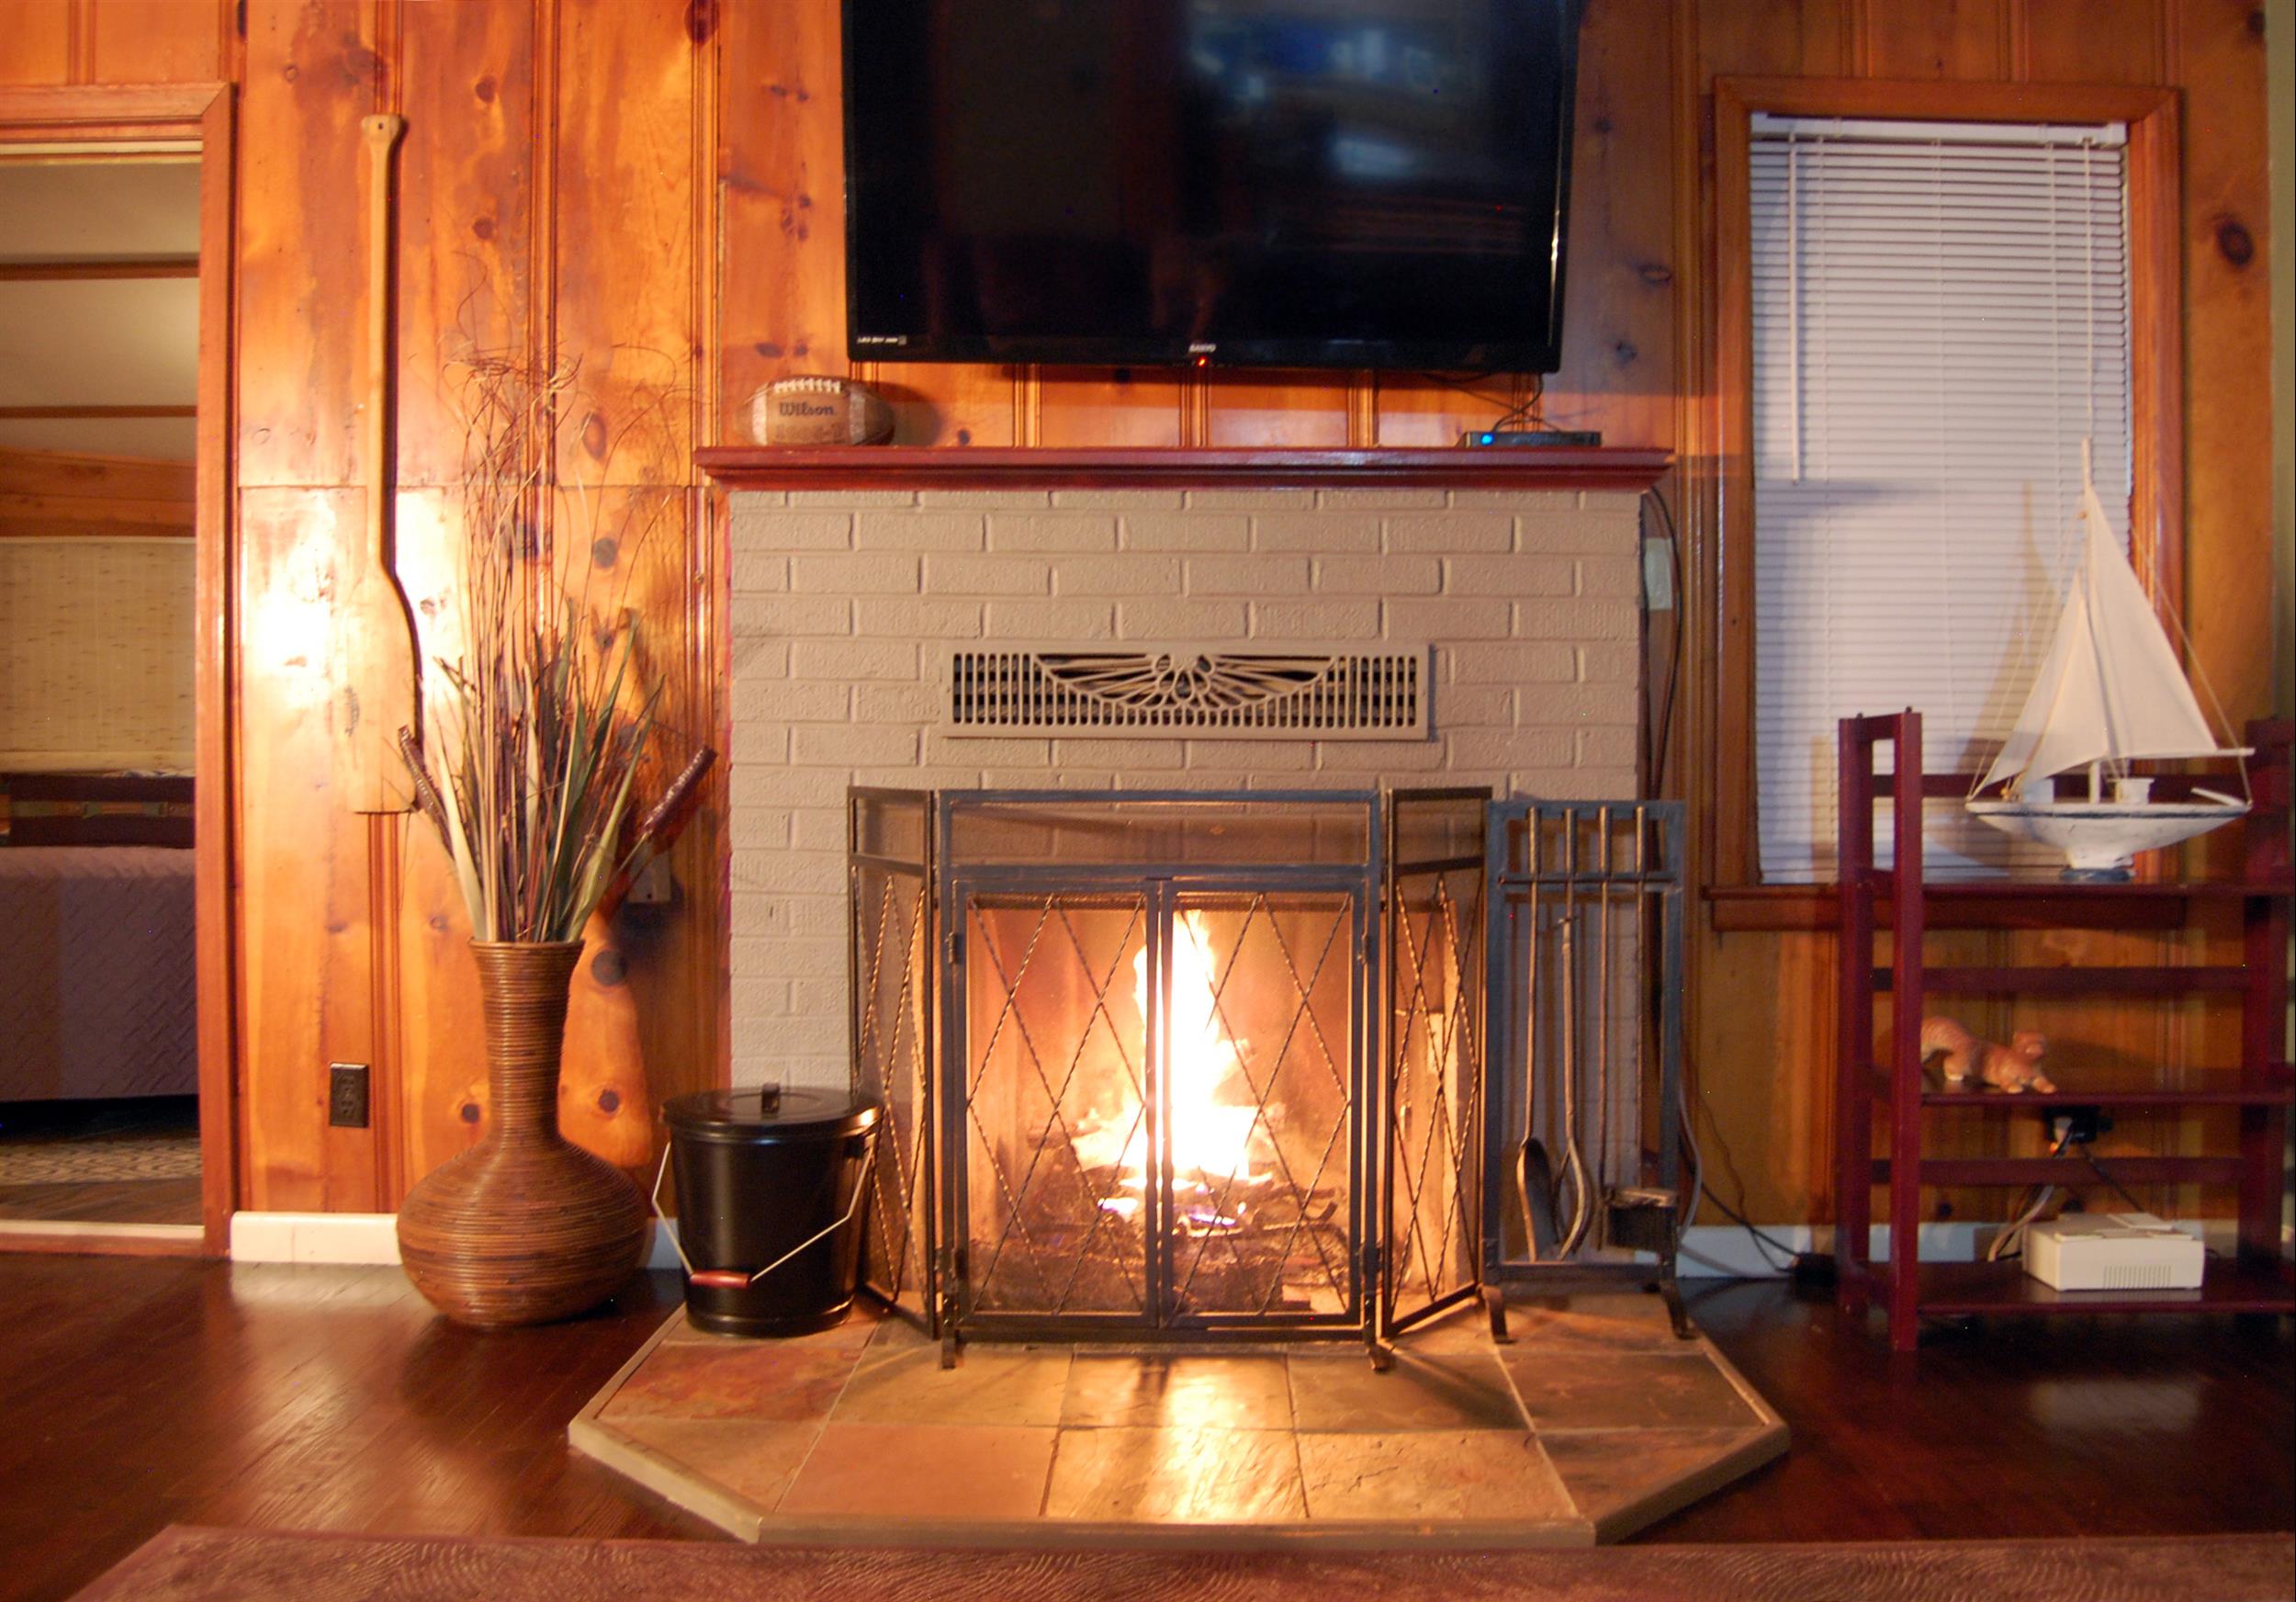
[1189,692]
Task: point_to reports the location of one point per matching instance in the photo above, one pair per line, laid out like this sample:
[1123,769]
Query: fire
[1211,1139]
[1214,1122]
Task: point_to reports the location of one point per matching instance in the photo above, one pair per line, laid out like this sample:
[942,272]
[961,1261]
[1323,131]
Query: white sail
[2112,689]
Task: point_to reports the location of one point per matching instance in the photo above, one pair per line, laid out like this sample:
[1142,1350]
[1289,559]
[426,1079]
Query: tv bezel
[1092,351]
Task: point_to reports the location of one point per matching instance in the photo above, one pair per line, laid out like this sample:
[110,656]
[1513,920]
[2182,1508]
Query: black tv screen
[1264,183]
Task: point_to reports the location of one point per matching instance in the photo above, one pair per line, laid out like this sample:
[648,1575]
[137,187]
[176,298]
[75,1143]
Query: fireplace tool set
[1206,1066]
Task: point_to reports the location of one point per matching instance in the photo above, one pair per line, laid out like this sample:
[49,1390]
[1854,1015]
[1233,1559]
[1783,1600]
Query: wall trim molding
[354,1238]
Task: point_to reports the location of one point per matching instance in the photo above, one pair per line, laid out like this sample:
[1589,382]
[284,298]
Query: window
[1941,313]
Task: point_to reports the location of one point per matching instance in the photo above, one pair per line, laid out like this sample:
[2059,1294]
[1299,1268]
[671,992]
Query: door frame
[114,114]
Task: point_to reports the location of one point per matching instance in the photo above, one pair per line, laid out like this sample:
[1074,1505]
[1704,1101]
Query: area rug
[40,1159]
[182,1564]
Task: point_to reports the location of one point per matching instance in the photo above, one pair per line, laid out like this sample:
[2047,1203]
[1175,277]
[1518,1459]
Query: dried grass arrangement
[542,736]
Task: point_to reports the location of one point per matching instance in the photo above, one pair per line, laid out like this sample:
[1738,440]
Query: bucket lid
[771,1112]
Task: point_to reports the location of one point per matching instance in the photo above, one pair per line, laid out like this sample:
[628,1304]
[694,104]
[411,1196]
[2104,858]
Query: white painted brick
[1372,759]
[879,575]
[1042,778]
[1474,706]
[1115,575]
[1052,621]
[987,575]
[777,787]
[919,531]
[1510,575]
[1378,575]
[1048,531]
[1576,784]
[1575,704]
[1251,500]
[817,998]
[853,500]
[1469,615]
[1617,504]
[1127,755]
[1611,576]
[817,828]
[802,872]
[1574,534]
[1379,500]
[758,828]
[789,614]
[1511,748]
[1610,664]
[1315,620]
[853,658]
[946,749]
[1251,576]
[1516,500]
[759,740]
[919,617]
[1316,532]
[1119,500]
[1251,756]
[986,499]
[1578,620]
[1511,663]
[911,704]
[849,744]
[760,997]
[1448,533]
[1181,620]
[744,500]
[791,701]
[771,530]
[1609,748]
[754,574]
[1193,531]
[760,656]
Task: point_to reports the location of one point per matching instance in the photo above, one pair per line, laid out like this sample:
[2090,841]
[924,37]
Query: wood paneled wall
[655,185]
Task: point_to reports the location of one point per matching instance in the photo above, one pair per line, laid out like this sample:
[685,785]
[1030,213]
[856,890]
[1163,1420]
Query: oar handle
[381,133]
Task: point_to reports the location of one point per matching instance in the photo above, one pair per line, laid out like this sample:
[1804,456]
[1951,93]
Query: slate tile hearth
[1587,1427]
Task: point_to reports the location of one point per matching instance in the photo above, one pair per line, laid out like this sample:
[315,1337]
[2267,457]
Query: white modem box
[2113,1251]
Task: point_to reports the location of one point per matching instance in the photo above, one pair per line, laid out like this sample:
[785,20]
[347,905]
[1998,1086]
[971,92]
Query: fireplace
[1172,1065]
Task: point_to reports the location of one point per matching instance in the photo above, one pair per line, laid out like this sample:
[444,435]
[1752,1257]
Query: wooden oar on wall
[372,661]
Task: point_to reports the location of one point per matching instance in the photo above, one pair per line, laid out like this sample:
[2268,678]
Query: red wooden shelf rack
[2258,1279]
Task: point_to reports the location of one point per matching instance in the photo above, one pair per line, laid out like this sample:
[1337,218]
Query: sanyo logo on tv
[880,339]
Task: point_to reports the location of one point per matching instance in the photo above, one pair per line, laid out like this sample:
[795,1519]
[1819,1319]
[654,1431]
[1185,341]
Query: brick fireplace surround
[852,573]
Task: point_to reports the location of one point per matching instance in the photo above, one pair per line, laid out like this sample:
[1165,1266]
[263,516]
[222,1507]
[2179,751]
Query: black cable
[2099,1170]
[1760,1239]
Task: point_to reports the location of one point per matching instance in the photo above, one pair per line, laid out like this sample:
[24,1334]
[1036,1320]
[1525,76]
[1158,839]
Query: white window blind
[1940,316]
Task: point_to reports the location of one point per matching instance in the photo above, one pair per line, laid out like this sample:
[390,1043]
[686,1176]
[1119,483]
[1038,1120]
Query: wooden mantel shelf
[1529,470]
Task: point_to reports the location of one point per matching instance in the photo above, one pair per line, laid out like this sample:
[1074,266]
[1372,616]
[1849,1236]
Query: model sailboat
[2110,692]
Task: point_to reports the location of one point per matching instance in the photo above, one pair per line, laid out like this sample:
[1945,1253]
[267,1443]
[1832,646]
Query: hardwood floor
[137,1392]
[104,1201]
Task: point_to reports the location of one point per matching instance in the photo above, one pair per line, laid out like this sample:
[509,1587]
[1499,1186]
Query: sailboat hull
[2100,840]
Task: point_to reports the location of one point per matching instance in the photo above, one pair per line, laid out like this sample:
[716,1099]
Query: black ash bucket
[772,1184]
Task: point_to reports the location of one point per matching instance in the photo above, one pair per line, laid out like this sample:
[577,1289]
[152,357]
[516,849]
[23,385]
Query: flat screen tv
[1252,183]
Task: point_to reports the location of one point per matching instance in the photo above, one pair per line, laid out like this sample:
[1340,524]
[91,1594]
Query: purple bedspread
[98,995]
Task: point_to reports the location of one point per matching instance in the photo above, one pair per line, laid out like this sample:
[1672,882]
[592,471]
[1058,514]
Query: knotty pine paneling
[658,185]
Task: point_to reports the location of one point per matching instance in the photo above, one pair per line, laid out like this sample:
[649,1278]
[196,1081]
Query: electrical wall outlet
[347,1095]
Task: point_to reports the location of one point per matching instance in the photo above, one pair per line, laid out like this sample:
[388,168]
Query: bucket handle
[734,1279]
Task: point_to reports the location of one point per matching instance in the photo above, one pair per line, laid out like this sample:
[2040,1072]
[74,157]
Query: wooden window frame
[1737,896]
[113,114]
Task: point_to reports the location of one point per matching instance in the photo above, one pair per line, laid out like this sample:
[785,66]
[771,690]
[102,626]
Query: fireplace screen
[1200,1063]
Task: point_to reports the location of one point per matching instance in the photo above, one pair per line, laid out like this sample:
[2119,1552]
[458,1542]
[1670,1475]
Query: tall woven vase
[524,1226]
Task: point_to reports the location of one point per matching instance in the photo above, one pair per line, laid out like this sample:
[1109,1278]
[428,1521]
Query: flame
[1211,1139]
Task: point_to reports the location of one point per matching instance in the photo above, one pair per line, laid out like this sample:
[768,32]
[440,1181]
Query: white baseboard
[1727,1251]
[353,1238]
